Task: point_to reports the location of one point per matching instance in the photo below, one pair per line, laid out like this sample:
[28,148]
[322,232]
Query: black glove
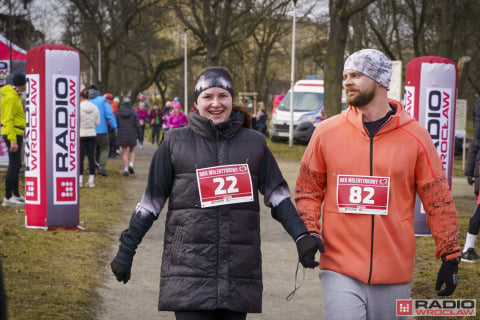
[470,180]
[122,272]
[307,247]
[447,274]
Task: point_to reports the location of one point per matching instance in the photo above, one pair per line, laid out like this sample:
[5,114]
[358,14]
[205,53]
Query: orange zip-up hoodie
[375,249]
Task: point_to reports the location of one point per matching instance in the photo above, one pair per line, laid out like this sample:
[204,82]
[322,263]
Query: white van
[307,106]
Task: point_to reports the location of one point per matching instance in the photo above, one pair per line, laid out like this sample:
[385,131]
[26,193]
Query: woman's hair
[247,122]
[84,93]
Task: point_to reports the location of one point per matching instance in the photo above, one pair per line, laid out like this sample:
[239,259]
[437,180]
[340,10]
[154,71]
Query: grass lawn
[51,274]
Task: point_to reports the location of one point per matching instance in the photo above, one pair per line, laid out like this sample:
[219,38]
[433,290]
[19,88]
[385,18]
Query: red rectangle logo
[31,189]
[404,307]
[65,189]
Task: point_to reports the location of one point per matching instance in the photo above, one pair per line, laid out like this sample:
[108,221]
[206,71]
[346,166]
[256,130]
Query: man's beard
[361,98]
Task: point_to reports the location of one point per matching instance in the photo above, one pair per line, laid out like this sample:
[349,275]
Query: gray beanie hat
[372,63]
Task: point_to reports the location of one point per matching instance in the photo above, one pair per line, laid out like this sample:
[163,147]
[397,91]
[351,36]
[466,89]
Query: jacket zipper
[373,216]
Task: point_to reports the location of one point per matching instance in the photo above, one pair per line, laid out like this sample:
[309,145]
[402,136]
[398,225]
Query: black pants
[210,315]
[87,148]
[474,224]
[155,133]
[112,152]
[3,297]
[141,135]
[13,170]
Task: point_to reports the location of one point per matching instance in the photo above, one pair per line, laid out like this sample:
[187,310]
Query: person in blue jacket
[107,119]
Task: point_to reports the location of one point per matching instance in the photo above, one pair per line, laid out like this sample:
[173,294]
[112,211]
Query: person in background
[276,101]
[248,106]
[114,104]
[112,153]
[177,119]
[261,118]
[166,115]
[127,134]
[107,120]
[472,173]
[111,132]
[3,296]
[142,114]
[155,117]
[13,125]
[89,118]
[357,188]
[211,264]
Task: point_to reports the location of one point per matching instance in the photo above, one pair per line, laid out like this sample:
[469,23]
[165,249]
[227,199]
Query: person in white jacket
[89,118]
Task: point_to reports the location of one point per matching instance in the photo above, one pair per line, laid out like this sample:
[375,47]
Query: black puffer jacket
[211,258]
[128,125]
[473,161]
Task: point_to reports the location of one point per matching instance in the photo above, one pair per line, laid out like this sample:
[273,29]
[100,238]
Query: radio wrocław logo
[65,132]
[437,307]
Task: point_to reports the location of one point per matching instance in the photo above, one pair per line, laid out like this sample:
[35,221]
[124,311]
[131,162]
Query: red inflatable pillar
[430,97]
[52,137]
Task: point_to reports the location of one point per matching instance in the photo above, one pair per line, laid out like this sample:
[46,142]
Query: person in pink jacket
[177,118]
[356,190]
[142,114]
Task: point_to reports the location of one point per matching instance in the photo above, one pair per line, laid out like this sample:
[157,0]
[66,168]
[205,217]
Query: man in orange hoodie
[356,191]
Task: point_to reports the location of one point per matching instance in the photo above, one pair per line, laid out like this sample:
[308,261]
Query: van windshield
[302,101]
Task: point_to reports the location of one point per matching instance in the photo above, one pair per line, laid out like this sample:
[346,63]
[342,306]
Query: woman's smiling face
[215,104]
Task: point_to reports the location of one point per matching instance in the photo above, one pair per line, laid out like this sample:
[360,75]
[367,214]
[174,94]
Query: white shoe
[19,198]
[91,184]
[12,201]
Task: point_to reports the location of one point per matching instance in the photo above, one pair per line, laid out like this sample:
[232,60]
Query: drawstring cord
[295,289]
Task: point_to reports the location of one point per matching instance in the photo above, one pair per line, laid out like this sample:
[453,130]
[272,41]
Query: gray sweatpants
[347,298]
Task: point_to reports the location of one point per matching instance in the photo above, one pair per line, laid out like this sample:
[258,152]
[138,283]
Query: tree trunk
[340,12]
[334,65]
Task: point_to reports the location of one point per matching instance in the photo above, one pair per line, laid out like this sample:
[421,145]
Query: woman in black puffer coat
[128,130]
[211,173]
[472,173]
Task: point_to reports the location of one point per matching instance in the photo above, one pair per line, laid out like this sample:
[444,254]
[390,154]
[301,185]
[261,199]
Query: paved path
[138,298]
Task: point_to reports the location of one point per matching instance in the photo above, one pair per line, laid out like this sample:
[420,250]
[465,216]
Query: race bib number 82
[363,194]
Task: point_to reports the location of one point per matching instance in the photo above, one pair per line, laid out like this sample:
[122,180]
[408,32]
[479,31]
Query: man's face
[21,88]
[359,88]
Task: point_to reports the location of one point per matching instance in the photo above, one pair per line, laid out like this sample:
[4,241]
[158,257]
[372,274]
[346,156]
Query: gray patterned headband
[372,63]
[213,77]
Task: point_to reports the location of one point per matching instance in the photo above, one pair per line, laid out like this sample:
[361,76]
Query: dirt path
[139,297]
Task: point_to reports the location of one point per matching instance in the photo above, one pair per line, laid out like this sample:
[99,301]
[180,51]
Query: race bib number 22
[224,185]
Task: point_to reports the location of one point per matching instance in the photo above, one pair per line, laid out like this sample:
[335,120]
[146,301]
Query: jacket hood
[87,107]
[93,93]
[125,110]
[7,90]
[399,119]
[205,127]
